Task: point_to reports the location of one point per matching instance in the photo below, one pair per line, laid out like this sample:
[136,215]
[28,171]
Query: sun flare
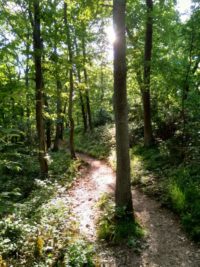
[110,34]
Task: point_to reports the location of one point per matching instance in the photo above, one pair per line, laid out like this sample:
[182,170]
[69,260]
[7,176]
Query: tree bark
[27,84]
[71,82]
[84,115]
[82,103]
[37,45]
[123,196]
[59,122]
[146,97]
[47,124]
[87,96]
[89,116]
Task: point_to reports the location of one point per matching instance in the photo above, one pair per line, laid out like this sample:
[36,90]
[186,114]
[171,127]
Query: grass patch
[177,197]
[184,197]
[114,230]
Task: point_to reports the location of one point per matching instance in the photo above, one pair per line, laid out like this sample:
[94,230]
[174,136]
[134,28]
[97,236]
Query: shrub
[102,117]
[112,227]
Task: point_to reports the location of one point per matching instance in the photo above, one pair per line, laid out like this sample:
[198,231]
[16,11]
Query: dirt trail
[167,245]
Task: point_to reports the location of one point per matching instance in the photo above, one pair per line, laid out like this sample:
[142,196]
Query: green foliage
[177,197]
[37,227]
[97,143]
[102,117]
[184,194]
[114,227]
[16,168]
[79,254]
[62,167]
[176,184]
[150,157]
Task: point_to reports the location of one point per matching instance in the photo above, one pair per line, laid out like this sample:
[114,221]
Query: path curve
[167,244]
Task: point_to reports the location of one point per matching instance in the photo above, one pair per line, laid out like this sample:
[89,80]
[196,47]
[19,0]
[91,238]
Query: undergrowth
[98,143]
[37,227]
[115,228]
[173,180]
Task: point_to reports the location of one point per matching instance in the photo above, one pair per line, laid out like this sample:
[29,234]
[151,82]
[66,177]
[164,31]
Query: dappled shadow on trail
[95,180]
[166,244]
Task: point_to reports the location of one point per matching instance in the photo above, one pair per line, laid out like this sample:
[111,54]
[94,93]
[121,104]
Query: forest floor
[166,243]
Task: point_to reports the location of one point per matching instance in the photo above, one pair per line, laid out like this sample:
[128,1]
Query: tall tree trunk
[84,115]
[123,196]
[59,122]
[83,111]
[28,111]
[47,123]
[89,116]
[37,45]
[71,82]
[148,136]
[102,83]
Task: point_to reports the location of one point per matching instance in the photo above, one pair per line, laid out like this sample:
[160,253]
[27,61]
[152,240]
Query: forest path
[167,245]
